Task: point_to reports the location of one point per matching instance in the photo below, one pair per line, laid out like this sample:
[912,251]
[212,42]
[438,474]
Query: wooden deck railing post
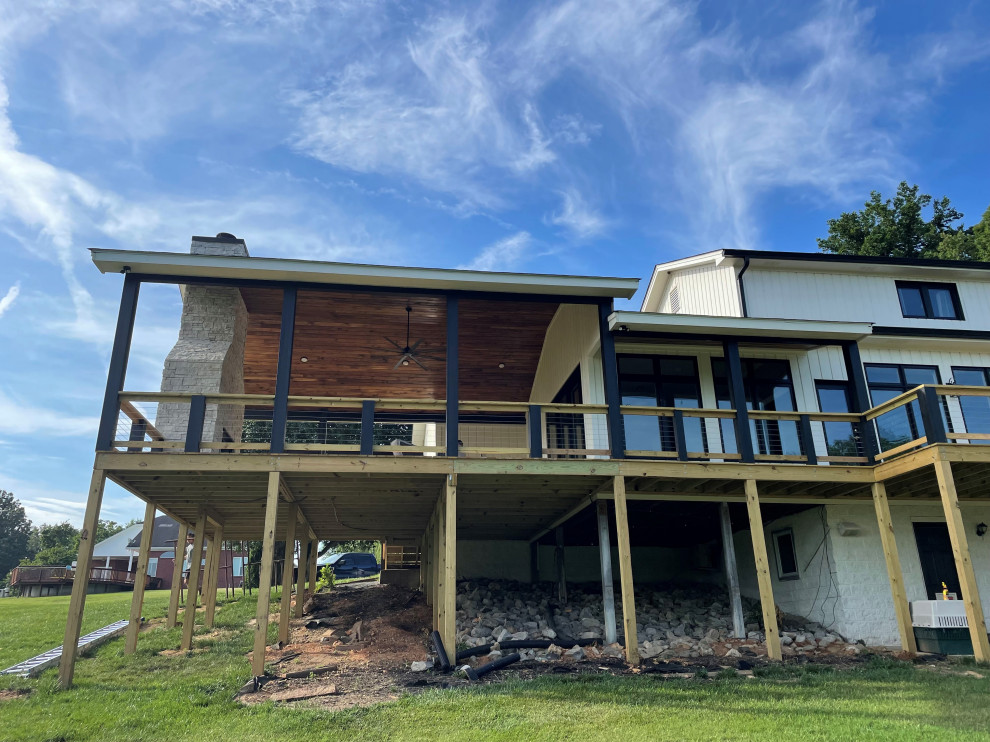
[80,583]
[118,362]
[902,610]
[770,627]
[964,562]
[265,576]
[172,617]
[285,606]
[625,570]
[140,579]
[192,593]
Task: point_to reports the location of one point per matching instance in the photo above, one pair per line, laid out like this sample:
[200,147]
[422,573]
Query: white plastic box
[939,614]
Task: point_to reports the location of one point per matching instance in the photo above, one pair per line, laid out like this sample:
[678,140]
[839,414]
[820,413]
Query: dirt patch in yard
[13,694]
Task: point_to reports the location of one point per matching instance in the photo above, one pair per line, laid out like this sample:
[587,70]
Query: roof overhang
[186,265]
[753,327]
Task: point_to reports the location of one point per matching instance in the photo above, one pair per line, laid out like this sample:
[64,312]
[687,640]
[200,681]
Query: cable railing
[170,422]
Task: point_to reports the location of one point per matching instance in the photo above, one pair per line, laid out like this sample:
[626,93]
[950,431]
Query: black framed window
[975,410]
[924,300]
[786,554]
[769,385]
[888,380]
[841,438]
[660,381]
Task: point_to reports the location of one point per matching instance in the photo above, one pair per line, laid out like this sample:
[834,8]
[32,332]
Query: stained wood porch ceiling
[338,331]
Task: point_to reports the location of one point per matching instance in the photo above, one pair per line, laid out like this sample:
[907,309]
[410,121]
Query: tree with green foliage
[15,533]
[59,545]
[897,228]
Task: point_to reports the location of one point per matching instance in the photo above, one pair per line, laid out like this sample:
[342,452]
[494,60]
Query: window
[929,300]
[660,381]
[888,380]
[768,386]
[975,410]
[783,547]
[840,437]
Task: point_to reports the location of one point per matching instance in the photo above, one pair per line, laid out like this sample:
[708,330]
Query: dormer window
[922,300]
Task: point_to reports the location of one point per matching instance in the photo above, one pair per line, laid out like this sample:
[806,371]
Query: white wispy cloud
[504,255]
[9,298]
[22,418]
[577,216]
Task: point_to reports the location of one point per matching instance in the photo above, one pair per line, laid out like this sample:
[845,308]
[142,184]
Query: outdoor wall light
[981,529]
[304,359]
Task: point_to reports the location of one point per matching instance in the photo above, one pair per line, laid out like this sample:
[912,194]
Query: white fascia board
[353,274]
[662,271]
[753,326]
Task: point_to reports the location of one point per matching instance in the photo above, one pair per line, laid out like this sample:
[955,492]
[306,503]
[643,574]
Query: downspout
[742,287]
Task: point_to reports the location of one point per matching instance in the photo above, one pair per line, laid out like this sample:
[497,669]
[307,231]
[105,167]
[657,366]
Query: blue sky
[576,136]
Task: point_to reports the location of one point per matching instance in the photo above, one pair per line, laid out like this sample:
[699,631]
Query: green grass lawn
[147,696]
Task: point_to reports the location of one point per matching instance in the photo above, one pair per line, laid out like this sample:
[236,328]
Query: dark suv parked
[353,564]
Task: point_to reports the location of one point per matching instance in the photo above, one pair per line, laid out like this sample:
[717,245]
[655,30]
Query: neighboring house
[505,423]
[161,561]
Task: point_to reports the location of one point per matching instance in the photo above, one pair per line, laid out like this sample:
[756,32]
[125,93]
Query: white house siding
[853,298]
[707,289]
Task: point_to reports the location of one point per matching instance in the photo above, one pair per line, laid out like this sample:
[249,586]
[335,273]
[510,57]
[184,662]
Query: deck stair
[35,665]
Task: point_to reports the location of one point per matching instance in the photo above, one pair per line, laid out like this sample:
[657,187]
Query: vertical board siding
[852,298]
[572,334]
[707,289]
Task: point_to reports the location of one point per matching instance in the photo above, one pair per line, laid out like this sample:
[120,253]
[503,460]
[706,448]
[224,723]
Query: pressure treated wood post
[558,558]
[314,568]
[625,571]
[265,576]
[180,554]
[140,578]
[80,583]
[213,581]
[605,555]
[192,592]
[770,627]
[285,608]
[732,572]
[964,564]
[901,608]
[448,630]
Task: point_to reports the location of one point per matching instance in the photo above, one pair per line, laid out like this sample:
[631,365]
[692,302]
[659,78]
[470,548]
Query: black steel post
[280,410]
[931,415]
[860,392]
[535,431]
[737,393]
[118,362]
[680,439]
[452,377]
[194,428]
[367,427]
[610,374]
[807,440]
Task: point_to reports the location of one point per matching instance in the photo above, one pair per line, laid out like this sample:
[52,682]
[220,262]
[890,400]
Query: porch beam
[265,576]
[625,571]
[140,578]
[118,362]
[80,583]
[770,628]
[894,573]
[964,563]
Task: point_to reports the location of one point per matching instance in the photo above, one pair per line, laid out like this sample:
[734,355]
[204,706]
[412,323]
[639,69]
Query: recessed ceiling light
[501,365]
[405,363]
[304,359]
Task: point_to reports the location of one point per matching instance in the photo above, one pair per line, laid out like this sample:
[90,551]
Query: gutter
[742,287]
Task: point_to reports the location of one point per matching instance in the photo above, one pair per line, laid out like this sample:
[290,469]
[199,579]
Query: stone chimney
[208,357]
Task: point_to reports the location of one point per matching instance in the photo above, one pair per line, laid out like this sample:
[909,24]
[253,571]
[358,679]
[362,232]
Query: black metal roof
[861,259]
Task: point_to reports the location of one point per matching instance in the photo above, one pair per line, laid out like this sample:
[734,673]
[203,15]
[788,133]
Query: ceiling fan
[410,352]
